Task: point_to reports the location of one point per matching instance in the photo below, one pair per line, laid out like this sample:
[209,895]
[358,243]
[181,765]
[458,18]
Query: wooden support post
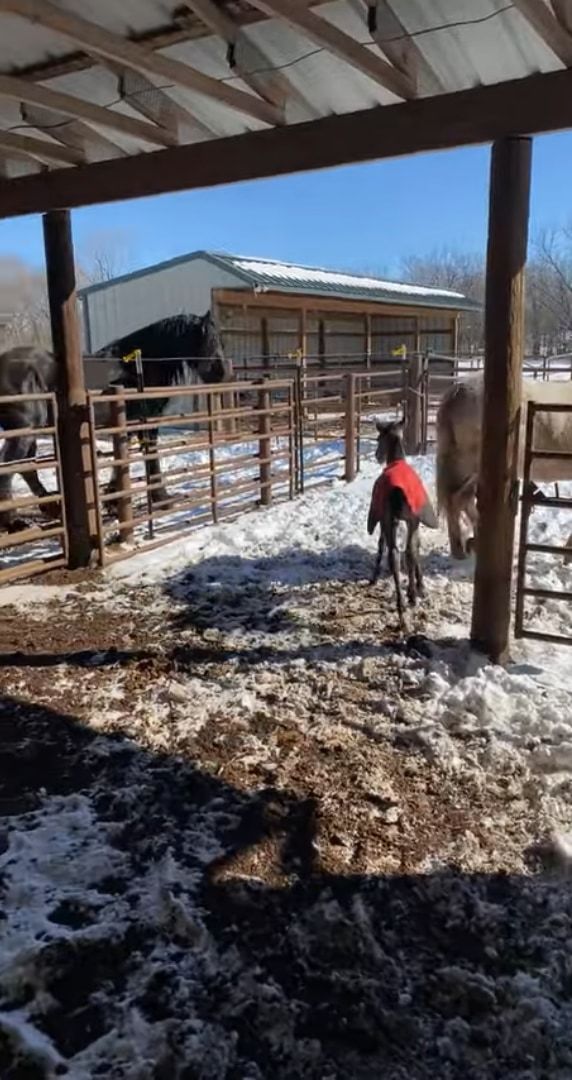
[417,336]
[77,467]
[351,458]
[265,446]
[504,335]
[122,474]
[303,342]
[265,341]
[455,335]
[414,405]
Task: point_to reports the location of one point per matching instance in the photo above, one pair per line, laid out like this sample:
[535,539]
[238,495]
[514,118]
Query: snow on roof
[275,276]
[291,277]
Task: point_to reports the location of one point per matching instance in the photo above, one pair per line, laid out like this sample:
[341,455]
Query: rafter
[153,103]
[329,37]
[246,58]
[552,31]
[71,132]
[536,103]
[68,105]
[102,43]
[391,35]
[40,149]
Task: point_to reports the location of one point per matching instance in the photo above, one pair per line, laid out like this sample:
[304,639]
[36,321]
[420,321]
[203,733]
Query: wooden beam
[268,301]
[392,37]
[71,132]
[99,42]
[246,58]
[68,105]
[41,149]
[327,36]
[72,408]
[465,118]
[552,31]
[504,340]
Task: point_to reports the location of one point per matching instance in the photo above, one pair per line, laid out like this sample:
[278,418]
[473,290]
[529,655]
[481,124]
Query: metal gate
[524,624]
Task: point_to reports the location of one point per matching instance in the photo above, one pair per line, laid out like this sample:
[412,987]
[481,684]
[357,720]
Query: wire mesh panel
[32,513]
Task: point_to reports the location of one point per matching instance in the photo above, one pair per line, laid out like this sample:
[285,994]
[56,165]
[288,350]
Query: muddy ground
[240,856]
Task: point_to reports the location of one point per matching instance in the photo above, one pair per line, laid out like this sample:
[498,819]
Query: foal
[398,495]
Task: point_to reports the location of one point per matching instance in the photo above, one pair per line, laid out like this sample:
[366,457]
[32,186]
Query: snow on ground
[249,830]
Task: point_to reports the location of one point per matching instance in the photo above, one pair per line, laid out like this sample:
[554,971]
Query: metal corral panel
[183,286]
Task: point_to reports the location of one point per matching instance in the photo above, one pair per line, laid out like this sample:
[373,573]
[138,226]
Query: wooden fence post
[350,436]
[122,474]
[504,336]
[73,426]
[414,405]
[265,446]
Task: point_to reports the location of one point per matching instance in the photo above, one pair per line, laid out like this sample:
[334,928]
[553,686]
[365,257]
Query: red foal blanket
[400,475]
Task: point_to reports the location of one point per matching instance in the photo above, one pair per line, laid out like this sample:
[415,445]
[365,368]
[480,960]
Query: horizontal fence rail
[185,456]
[227,448]
[35,536]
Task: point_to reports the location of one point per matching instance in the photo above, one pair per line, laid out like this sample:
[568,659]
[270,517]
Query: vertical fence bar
[300,425]
[350,427]
[359,387]
[122,474]
[525,511]
[265,446]
[291,442]
[413,416]
[95,474]
[212,455]
[59,477]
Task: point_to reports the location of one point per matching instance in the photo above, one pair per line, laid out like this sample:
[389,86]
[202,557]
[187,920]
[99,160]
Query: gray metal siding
[119,308]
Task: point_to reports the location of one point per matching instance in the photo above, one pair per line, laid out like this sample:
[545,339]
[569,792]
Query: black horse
[193,350]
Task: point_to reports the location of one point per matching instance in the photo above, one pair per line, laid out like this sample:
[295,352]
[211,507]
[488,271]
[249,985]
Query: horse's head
[389,440]
[214,365]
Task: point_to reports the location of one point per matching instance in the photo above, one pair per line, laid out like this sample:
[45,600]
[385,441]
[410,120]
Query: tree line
[25,319]
[548,290]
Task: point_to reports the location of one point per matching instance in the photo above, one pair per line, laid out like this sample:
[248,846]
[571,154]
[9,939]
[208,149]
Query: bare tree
[460,272]
[549,287]
[105,255]
[23,303]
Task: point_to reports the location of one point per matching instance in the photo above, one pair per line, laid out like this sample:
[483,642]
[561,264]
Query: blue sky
[365,217]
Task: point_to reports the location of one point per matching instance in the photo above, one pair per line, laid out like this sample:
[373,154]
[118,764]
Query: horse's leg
[154,475]
[20,449]
[394,564]
[413,564]
[379,557]
[456,542]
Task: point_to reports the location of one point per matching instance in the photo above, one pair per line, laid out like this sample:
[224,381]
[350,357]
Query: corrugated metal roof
[462,43]
[283,277]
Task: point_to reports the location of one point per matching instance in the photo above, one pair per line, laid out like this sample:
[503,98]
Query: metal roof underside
[82,83]
[273,276]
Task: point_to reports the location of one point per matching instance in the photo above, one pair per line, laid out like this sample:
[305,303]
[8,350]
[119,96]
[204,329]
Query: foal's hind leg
[411,563]
[394,565]
[379,557]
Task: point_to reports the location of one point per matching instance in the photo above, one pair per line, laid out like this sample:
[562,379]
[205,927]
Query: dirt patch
[229,851]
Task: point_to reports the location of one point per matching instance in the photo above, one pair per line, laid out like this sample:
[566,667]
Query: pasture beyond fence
[222,450]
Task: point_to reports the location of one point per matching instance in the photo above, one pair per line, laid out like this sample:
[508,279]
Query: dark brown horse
[193,350]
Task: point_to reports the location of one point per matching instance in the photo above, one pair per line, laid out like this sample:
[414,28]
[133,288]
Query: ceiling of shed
[82,84]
